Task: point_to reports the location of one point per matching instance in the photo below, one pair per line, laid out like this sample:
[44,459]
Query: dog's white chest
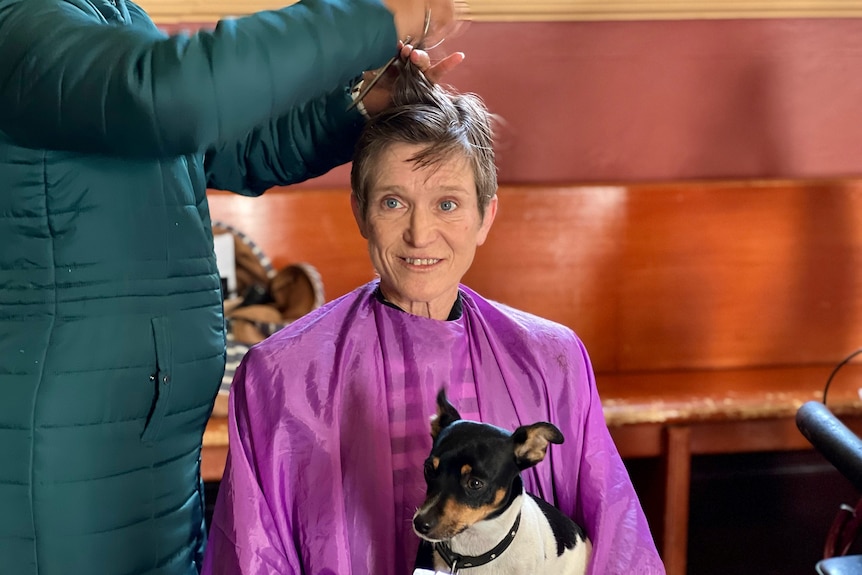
[532,551]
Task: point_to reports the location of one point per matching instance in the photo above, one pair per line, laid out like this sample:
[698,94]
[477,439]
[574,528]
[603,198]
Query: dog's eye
[475,484]
[428,469]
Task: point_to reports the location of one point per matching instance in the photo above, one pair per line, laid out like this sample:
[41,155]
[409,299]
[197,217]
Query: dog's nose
[422,525]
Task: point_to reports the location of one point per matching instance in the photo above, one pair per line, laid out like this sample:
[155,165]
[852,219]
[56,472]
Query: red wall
[634,101]
[671,100]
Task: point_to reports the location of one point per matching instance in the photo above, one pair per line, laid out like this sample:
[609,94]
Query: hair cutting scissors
[367,86]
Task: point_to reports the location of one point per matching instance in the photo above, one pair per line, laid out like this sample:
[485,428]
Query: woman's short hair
[447,124]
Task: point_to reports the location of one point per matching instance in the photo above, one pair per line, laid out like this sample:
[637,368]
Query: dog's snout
[423,524]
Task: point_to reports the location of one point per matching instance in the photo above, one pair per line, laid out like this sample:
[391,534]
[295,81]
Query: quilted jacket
[111,326]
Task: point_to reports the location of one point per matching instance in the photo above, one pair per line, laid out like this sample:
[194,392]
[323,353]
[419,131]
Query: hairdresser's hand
[380,96]
[410,18]
[421,59]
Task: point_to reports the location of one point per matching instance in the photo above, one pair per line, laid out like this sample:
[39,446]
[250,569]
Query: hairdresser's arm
[309,140]
[69,81]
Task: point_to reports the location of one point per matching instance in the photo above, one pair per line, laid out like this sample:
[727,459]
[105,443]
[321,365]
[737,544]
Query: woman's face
[423,227]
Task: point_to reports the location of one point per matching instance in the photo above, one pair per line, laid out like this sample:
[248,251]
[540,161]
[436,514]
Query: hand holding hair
[410,18]
[380,97]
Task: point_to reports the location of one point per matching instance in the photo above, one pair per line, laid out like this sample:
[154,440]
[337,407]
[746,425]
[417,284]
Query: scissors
[367,86]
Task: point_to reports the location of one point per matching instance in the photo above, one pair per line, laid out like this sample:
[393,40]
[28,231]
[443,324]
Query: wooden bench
[711,310]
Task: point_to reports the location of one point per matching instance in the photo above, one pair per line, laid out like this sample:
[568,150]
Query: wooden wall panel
[742,275]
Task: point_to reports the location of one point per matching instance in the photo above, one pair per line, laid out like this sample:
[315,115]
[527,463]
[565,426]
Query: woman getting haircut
[329,417]
[112,342]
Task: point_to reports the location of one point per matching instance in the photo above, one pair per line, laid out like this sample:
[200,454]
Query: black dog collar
[456,561]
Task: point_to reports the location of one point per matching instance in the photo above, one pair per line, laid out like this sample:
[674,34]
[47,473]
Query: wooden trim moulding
[201,11]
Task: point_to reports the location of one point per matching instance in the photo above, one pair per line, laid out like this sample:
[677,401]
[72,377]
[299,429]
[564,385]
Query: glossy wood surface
[716,395]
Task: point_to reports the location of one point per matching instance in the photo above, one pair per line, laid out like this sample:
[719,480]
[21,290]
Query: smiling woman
[172,11]
[423,225]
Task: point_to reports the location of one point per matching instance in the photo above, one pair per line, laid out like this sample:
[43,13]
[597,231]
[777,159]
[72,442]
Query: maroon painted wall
[634,101]
[671,100]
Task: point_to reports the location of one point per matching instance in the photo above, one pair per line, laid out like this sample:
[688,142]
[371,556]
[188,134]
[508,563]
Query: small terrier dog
[477,516]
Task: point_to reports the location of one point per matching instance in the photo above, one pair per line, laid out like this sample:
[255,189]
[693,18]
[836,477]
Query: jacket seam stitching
[42,367]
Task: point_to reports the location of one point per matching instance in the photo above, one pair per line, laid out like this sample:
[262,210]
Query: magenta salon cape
[322,478]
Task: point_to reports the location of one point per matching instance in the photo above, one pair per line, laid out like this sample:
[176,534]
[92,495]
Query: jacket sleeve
[70,80]
[308,141]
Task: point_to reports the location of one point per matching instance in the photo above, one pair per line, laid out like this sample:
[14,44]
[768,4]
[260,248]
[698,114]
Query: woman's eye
[448,205]
[475,484]
[391,203]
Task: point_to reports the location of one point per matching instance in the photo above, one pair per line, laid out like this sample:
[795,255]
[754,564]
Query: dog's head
[473,472]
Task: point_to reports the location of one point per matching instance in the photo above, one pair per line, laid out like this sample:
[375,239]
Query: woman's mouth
[421,261]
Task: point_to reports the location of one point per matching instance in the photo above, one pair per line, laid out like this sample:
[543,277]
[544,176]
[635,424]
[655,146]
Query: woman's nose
[421,228]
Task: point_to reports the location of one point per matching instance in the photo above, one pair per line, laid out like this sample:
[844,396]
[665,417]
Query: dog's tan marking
[435,462]
[466,469]
[456,518]
[535,447]
[446,414]
[498,498]
[435,426]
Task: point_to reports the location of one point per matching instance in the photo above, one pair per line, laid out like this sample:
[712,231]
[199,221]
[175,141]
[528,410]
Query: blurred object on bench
[291,293]
[271,299]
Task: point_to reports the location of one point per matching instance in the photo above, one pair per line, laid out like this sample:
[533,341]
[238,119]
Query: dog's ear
[446,414]
[531,443]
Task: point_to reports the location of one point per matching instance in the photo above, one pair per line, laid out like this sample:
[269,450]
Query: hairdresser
[112,341]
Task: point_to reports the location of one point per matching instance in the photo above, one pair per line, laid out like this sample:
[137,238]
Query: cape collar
[456,561]
[454,313]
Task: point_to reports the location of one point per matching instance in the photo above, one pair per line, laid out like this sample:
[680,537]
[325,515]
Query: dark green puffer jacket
[111,327]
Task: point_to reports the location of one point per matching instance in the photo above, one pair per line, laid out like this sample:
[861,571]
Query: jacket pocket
[161,379]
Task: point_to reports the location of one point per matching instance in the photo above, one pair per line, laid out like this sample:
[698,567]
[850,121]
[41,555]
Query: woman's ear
[487,221]
[357,214]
